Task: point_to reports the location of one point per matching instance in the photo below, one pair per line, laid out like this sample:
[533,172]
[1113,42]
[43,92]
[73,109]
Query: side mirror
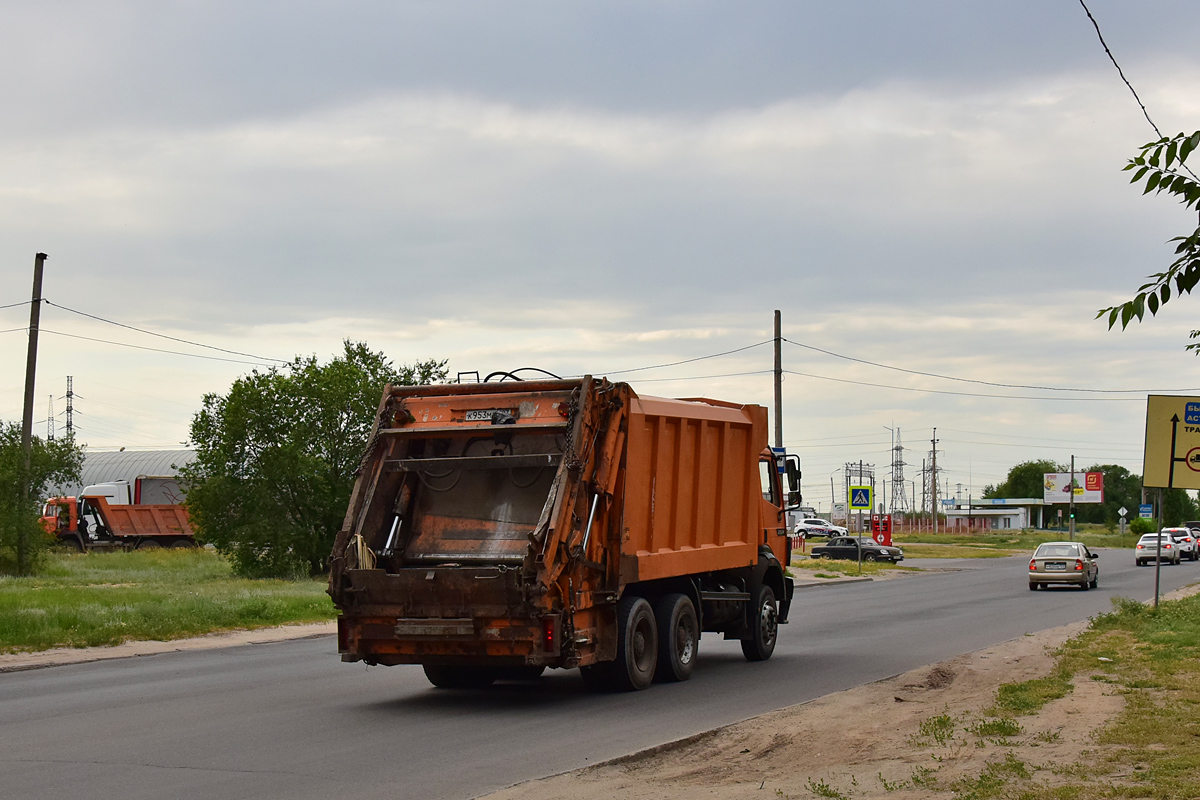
[793,500]
[792,465]
[1094,555]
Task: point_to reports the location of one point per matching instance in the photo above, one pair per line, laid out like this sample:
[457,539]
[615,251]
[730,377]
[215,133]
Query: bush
[1140,526]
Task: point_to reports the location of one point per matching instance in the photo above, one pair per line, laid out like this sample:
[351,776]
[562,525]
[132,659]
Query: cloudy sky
[594,187]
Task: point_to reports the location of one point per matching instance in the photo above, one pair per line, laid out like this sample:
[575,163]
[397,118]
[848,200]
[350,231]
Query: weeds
[823,789]
[939,728]
[90,599]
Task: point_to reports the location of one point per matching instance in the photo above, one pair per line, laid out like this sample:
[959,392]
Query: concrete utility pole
[778,380]
[1072,501]
[35,313]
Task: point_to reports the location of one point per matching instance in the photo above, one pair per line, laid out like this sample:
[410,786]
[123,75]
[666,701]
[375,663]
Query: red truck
[90,522]
[498,529]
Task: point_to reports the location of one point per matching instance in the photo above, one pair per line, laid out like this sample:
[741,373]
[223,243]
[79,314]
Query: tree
[1178,507]
[22,539]
[276,457]
[1162,164]
[1024,480]
[1122,488]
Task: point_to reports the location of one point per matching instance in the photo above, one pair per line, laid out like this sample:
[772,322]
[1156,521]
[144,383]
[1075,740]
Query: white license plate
[1056,566]
[484,414]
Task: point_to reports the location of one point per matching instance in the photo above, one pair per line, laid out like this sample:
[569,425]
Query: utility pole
[1073,498]
[778,380]
[70,407]
[50,420]
[35,313]
[935,489]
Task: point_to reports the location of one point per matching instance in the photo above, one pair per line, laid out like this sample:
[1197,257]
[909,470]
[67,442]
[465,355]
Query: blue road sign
[1146,511]
[860,498]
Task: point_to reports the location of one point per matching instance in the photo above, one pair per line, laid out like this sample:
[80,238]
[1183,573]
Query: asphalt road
[289,720]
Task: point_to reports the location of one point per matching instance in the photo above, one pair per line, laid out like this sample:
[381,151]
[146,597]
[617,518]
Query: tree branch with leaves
[1162,165]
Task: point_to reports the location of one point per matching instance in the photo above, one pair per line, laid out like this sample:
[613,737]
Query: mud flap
[785,603]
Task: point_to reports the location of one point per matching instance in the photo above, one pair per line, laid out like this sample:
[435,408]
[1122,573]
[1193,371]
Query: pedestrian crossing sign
[860,498]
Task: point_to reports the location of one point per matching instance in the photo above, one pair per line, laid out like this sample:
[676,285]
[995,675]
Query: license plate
[1056,566]
[484,414]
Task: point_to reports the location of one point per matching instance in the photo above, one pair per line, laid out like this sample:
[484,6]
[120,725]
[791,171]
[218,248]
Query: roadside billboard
[1089,487]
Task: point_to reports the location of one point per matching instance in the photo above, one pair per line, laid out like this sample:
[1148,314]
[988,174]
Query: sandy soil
[865,742]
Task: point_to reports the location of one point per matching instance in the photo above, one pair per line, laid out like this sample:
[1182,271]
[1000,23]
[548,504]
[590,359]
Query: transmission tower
[50,421]
[70,408]
[898,503]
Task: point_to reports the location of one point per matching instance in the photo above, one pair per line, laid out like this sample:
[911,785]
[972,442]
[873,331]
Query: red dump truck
[497,529]
[90,522]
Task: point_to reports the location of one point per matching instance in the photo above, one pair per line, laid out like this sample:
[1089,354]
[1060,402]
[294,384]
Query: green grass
[85,600]
[832,565]
[1002,543]
[1151,749]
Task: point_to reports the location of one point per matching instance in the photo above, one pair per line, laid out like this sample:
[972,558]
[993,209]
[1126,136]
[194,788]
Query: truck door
[774,520]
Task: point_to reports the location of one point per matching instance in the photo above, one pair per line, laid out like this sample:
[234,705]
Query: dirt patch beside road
[922,734]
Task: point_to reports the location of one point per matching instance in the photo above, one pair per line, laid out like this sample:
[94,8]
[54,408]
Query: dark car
[848,547]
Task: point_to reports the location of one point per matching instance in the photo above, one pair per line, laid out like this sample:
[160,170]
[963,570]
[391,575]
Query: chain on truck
[497,529]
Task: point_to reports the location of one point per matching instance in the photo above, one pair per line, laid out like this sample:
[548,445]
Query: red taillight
[1078,565]
[1141,547]
[548,627]
[1032,564]
[1166,547]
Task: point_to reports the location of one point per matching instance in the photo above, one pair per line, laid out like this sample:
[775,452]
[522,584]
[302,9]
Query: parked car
[815,526]
[848,547]
[1144,553]
[1185,542]
[1063,563]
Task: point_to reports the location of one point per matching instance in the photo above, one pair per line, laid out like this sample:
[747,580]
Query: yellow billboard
[1172,455]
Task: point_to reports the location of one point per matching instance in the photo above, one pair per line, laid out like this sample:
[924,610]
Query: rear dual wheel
[637,650]
[678,637]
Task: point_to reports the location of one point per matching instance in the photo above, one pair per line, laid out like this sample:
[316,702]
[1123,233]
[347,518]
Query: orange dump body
[141,520]
[499,523]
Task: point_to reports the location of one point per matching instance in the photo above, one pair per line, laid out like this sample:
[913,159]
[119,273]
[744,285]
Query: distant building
[129,465]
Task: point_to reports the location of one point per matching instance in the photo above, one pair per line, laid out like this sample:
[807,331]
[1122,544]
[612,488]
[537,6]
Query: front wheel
[678,637]
[759,644]
[869,557]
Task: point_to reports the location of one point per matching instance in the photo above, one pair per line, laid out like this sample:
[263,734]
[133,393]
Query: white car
[1185,541]
[1144,553]
[815,526]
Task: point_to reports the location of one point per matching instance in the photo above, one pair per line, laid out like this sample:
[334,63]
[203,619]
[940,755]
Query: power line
[705,377]
[974,380]
[14,305]
[965,394]
[163,335]
[11,330]
[151,349]
[685,361]
[1120,72]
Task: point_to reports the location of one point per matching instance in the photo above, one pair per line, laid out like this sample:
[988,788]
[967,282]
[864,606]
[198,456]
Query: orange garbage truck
[497,529]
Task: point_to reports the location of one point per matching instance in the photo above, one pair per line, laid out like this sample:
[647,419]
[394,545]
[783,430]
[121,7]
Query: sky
[600,187]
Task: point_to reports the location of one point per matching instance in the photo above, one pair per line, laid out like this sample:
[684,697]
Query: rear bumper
[497,642]
[1070,578]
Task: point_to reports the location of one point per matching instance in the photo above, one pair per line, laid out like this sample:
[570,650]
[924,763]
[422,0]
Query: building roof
[126,465]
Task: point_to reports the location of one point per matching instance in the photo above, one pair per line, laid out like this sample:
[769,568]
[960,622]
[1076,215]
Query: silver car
[1063,563]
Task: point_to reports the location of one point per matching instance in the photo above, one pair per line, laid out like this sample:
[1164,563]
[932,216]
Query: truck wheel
[637,645]
[764,626]
[446,676]
[149,544]
[678,637]
[72,543]
[182,544]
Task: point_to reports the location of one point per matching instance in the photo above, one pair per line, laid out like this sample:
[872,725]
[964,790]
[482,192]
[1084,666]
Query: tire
[149,544]
[1085,585]
[183,544]
[678,637]
[759,644]
[1095,584]
[1033,587]
[870,558]
[458,677]
[637,646]
[72,543]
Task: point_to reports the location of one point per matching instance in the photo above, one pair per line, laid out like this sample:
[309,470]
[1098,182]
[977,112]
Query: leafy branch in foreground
[1162,165]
